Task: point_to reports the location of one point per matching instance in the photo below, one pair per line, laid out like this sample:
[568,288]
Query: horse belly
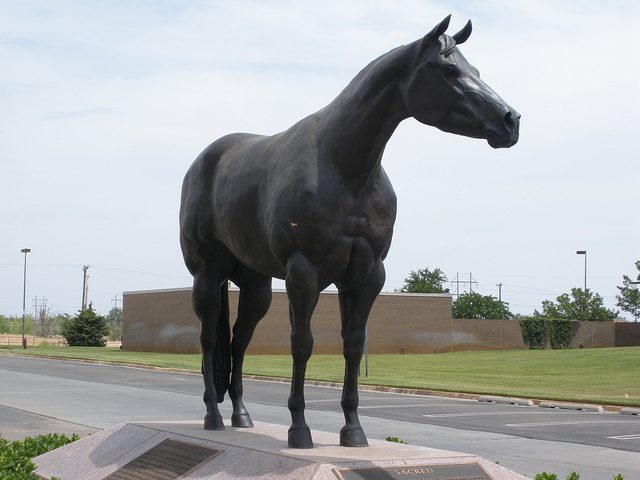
[238,221]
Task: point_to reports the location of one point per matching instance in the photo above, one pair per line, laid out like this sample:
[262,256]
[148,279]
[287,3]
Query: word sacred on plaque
[460,471]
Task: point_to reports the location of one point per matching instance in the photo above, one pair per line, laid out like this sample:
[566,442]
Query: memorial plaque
[459,471]
[168,460]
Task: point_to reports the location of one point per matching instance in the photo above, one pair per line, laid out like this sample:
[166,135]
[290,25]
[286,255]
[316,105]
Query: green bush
[571,476]
[394,440]
[15,457]
[534,332]
[546,476]
[87,329]
[559,331]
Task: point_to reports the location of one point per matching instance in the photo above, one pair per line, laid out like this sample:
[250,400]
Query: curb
[629,411]
[376,388]
[506,400]
[572,406]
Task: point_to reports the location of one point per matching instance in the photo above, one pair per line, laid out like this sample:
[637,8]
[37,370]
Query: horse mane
[398,55]
[382,69]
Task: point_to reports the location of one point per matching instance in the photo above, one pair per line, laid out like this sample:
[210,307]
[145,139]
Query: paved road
[64,396]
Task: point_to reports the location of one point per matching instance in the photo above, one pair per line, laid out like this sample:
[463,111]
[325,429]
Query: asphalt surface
[43,395]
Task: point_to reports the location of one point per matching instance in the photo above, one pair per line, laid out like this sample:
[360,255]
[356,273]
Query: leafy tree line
[475,306]
[425,281]
[629,298]
[46,324]
[578,305]
[13,325]
[585,306]
[467,305]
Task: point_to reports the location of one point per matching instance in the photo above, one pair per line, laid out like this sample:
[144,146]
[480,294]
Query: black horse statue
[313,206]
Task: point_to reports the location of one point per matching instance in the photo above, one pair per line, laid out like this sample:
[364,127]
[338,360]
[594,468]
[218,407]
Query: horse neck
[356,126]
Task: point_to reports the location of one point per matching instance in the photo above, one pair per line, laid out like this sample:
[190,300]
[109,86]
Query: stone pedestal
[185,450]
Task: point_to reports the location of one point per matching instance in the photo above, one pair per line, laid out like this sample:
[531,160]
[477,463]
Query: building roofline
[281,290]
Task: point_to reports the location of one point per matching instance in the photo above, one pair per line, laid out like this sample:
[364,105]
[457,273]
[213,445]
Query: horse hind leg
[209,306]
[254,302]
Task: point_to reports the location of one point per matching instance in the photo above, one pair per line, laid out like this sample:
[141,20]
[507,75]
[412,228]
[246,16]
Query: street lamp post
[584,252]
[24,294]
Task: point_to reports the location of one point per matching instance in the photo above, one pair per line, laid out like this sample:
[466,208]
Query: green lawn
[604,375]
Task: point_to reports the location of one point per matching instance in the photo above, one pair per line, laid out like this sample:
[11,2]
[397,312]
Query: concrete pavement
[97,397]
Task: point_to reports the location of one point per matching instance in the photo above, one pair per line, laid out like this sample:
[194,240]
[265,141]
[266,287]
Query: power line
[139,272]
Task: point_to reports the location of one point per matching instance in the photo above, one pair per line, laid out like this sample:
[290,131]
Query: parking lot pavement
[16,424]
[77,397]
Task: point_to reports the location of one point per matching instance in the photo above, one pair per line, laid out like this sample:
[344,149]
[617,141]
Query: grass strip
[604,375]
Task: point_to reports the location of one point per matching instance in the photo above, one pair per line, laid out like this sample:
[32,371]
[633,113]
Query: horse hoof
[300,437]
[241,420]
[353,437]
[213,422]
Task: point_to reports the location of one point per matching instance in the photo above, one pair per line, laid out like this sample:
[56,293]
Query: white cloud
[103,106]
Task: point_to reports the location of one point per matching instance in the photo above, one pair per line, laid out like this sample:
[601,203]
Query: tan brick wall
[627,334]
[163,321]
[594,335]
[160,321]
[487,335]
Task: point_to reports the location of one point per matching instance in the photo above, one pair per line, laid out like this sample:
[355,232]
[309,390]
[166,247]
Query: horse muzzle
[507,134]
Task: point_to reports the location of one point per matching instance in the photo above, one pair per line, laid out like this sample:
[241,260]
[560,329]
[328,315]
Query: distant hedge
[559,331]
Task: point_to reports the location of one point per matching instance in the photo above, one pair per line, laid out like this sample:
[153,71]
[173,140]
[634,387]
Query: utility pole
[499,292]
[39,314]
[84,287]
[457,281]
[116,301]
[584,252]
[24,295]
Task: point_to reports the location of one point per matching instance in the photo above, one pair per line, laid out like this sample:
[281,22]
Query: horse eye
[450,71]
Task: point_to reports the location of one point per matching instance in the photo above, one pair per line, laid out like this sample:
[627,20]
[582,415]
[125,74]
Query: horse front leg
[355,306]
[254,302]
[302,291]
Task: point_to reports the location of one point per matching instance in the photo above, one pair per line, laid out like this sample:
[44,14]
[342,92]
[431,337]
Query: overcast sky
[104,105]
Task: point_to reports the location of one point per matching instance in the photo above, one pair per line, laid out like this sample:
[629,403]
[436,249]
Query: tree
[425,281]
[114,320]
[13,325]
[474,305]
[44,322]
[87,329]
[581,305]
[629,298]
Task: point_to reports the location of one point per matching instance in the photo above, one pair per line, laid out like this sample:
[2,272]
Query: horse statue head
[445,91]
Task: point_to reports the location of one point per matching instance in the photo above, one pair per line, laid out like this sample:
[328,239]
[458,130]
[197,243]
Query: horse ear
[463,34]
[436,32]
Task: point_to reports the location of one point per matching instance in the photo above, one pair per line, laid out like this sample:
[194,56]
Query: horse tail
[222,360]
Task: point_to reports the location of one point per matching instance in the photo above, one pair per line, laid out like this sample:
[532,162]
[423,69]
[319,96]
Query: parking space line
[403,405]
[626,437]
[549,424]
[473,414]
